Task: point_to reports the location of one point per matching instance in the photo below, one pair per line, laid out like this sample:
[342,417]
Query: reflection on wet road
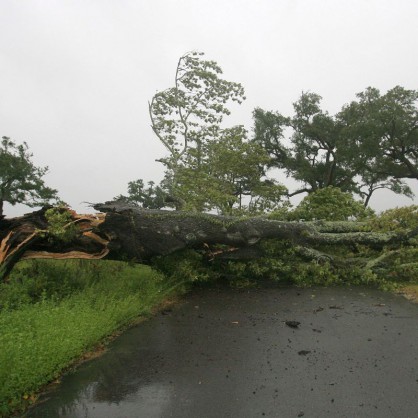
[225,353]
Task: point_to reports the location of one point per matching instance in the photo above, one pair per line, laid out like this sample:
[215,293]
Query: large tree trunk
[124,232]
[143,234]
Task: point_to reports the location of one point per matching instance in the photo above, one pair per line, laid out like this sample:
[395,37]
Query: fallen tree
[126,232]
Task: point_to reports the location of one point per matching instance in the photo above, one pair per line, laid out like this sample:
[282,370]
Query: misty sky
[76,75]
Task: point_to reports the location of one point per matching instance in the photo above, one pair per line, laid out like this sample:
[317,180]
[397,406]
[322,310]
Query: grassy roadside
[48,323]
[53,313]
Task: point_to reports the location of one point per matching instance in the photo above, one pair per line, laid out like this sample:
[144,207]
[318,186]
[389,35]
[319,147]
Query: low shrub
[398,219]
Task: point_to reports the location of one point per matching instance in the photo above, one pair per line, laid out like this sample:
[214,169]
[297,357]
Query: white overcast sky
[76,75]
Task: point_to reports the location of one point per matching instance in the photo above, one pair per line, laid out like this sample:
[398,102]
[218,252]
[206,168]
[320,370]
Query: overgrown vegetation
[283,262]
[52,312]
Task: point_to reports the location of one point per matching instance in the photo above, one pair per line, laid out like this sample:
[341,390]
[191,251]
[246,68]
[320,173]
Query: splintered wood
[22,233]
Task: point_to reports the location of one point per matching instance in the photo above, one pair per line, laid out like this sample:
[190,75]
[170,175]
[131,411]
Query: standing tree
[188,115]
[238,166]
[313,155]
[328,150]
[231,177]
[384,130]
[20,180]
[151,197]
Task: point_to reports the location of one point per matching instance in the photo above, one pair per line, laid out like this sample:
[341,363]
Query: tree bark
[126,232]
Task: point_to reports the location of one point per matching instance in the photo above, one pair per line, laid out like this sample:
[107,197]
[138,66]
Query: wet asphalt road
[228,353]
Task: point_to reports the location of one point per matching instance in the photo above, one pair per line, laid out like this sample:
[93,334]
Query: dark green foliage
[330,204]
[324,264]
[276,264]
[20,180]
[327,204]
[151,197]
[399,265]
[382,132]
[186,266]
[313,157]
[370,144]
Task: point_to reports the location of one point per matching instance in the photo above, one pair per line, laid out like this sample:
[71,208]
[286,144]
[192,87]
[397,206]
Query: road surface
[230,353]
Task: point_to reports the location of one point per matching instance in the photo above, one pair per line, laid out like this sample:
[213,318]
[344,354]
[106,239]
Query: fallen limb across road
[125,232]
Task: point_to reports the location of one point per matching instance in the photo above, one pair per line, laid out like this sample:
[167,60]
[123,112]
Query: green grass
[52,312]
[45,329]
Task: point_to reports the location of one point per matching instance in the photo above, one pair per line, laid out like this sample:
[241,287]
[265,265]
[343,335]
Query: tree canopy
[231,178]
[208,167]
[189,114]
[383,129]
[312,157]
[151,197]
[330,204]
[20,180]
[369,145]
